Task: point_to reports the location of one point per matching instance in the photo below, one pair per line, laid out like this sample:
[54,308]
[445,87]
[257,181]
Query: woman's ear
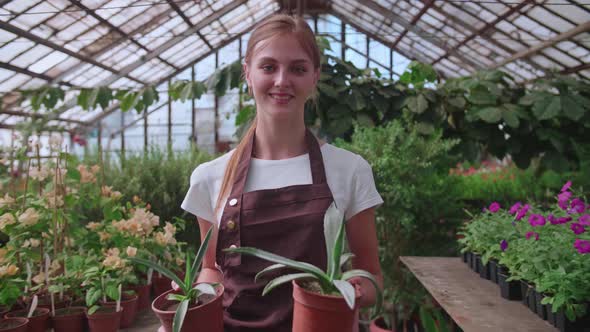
[316,75]
[246,74]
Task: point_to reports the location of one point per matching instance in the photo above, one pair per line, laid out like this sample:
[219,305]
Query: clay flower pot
[207,317]
[45,302]
[378,325]
[105,319]
[160,284]
[317,312]
[72,319]
[17,324]
[129,305]
[39,322]
[144,294]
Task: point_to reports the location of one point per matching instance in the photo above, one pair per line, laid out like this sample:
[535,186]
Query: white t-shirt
[349,177]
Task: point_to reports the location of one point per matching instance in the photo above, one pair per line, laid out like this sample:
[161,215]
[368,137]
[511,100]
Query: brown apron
[286,221]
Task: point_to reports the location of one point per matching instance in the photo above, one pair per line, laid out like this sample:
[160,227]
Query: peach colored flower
[131,251]
[93,225]
[29,217]
[8,270]
[104,236]
[5,220]
[39,278]
[6,201]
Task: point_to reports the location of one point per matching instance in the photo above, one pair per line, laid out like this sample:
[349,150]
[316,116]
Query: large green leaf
[480,95]
[332,225]
[367,275]
[547,108]
[284,279]
[571,108]
[268,269]
[199,257]
[328,90]
[490,114]
[300,266]
[205,288]
[510,117]
[179,316]
[112,292]
[347,291]
[92,296]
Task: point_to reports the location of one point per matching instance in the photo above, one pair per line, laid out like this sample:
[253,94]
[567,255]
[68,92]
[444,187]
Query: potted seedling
[323,300]
[188,307]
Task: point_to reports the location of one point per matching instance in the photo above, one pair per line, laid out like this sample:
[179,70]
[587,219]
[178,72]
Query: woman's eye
[299,70]
[267,68]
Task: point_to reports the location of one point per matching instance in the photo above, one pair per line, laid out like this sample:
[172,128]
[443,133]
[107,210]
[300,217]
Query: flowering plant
[547,247]
[188,292]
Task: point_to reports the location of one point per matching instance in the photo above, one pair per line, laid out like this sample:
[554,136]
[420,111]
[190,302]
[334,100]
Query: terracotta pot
[17,324]
[317,312]
[378,325]
[39,322]
[129,305]
[203,318]
[104,319]
[72,319]
[160,284]
[3,311]
[144,294]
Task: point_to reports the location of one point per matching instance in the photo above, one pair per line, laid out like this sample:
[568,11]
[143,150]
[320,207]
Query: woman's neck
[279,139]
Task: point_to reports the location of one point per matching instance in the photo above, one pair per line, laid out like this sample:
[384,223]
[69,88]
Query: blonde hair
[274,26]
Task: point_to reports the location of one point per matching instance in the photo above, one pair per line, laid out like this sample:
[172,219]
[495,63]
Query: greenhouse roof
[130,43]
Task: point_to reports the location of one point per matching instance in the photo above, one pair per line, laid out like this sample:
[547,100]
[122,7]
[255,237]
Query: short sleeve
[364,193]
[198,198]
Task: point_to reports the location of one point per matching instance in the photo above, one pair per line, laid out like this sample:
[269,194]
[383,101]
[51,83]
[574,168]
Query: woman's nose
[282,78]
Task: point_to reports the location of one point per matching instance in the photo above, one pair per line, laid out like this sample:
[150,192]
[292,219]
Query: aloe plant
[332,281]
[188,293]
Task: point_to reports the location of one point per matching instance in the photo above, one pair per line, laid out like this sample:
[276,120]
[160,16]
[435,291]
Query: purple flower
[583,246]
[536,220]
[515,208]
[531,234]
[577,206]
[564,220]
[553,220]
[522,212]
[566,186]
[577,228]
[494,207]
[584,220]
[563,199]
[503,245]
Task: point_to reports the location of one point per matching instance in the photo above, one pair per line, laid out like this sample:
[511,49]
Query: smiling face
[281,75]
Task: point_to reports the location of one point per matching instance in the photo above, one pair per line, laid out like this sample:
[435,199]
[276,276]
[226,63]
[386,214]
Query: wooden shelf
[473,303]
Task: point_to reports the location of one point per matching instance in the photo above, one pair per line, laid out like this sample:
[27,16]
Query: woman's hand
[365,288]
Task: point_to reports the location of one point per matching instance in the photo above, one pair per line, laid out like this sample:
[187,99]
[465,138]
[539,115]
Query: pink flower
[564,220]
[536,220]
[577,206]
[504,245]
[531,234]
[515,208]
[494,207]
[522,212]
[566,186]
[584,220]
[553,220]
[582,246]
[563,199]
[577,228]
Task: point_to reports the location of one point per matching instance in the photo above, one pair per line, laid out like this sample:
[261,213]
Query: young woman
[273,190]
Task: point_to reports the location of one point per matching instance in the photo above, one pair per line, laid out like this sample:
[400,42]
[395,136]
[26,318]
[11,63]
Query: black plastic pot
[563,324]
[469,258]
[464,256]
[484,269]
[540,308]
[475,263]
[528,295]
[502,269]
[509,290]
[550,314]
[493,270]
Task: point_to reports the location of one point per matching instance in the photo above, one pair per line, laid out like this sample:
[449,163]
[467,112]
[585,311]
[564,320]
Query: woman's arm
[209,272]
[362,240]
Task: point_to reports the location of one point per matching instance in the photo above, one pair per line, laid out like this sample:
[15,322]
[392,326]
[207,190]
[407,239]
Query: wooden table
[473,303]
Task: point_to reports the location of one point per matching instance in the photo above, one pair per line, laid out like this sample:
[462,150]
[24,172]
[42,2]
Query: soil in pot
[509,290]
[45,302]
[316,312]
[17,324]
[105,319]
[206,316]
[71,319]
[39,322]
[129,305]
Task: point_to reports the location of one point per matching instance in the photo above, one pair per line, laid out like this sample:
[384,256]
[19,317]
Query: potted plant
[18,324]
[189,307]
[324,300]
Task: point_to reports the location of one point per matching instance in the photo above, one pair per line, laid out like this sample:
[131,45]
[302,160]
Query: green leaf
[205,288]
[327,90]
[163,270]
[367,275]
[510,118]
[199,257]
[427,320]
[267,269]
[479,95]
[332,228]
[458,102]
[73,174]
[92,295]
[105,95]
[490,114]
[179,316]
[112,292]
[301,266]
[93,309]
[547,108]
[284,279]
[347,291]
[149,96]
[339,126]
[571,108]
[176,297]
[425,128]
[358,101]
[198,88]
[344,259]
